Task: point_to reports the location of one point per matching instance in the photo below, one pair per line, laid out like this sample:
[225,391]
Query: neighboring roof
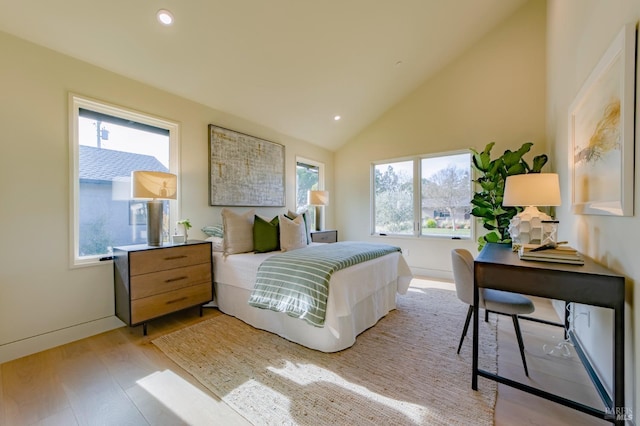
[106,164]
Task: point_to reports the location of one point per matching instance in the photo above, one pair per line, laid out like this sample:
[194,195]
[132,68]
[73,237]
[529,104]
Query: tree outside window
[427,196]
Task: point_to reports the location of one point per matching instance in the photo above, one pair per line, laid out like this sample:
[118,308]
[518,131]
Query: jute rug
[402,371]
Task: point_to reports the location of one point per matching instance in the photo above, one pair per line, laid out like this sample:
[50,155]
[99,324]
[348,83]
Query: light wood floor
[120,378]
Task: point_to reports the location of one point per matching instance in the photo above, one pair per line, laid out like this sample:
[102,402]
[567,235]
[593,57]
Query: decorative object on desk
[550,232]
[319,199]
[530,190]
[601,131]
[487,201]
[244,170]
[186,225]
[157,186]
[554,253]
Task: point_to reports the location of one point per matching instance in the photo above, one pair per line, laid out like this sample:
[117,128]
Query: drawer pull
[177,300]
[170,280]
[175,257]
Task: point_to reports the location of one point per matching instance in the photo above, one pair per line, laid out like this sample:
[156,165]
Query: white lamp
[319,199]
[530,190]
[156,186]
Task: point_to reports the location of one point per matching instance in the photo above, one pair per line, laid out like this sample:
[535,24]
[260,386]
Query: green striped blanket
[297,282]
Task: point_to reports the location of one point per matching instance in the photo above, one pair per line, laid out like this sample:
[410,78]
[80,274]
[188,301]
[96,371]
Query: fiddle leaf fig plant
[491,176]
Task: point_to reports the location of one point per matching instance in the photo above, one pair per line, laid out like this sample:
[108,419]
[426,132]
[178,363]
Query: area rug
[403,371]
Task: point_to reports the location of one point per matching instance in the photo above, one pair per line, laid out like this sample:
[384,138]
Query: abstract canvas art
[245,170]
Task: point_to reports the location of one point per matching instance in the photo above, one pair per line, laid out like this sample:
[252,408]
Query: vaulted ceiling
[290,65]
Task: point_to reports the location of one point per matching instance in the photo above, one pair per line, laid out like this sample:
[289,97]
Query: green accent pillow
[266,235]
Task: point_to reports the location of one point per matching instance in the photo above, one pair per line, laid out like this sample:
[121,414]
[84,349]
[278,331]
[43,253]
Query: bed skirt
[365,313]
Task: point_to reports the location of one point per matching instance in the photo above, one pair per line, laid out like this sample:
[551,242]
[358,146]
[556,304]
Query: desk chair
[500,302]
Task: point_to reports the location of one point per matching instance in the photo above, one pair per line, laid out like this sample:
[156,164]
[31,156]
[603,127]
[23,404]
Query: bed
[359,296]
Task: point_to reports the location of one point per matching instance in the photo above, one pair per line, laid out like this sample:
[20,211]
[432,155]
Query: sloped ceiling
[290,65]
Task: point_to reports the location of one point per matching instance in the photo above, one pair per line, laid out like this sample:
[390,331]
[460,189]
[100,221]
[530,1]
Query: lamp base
[319,218]
[154,223]
[527,227]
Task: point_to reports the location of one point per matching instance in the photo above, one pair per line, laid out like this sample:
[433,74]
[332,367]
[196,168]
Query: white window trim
[417,194]
[75,103]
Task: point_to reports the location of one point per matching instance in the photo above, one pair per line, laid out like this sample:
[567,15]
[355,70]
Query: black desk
[498,267]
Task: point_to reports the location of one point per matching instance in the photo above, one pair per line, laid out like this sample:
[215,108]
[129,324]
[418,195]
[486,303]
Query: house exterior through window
[108,143]
[423,196]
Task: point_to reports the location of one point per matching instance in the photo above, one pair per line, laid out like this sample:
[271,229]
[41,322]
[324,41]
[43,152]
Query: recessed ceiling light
[337,117]
[164,17]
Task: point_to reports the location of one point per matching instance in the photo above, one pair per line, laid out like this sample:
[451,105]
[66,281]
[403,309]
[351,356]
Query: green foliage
[431,223]
[487,201]
[186,223]
[306,180]
[394,202]
[96,238]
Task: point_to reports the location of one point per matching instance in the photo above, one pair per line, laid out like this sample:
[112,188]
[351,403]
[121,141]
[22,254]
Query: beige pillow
[293,233]
[238,231]
[307,221]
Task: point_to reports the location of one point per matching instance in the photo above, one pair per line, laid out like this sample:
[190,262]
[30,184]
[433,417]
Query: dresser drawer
[143,262]
[160,282]
[154,306]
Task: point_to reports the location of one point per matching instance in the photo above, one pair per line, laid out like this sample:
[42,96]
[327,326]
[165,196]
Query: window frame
[417,195]
[321,172]
[76,102]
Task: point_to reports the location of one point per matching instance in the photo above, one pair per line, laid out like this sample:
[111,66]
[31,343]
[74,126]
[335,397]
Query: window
[423,196]
[107,144]
[309,176]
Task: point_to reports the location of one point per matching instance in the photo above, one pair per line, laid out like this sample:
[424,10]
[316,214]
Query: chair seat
[506,302]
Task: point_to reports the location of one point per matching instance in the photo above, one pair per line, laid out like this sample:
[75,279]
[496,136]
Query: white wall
[579,32]
[43,302]
[493,92]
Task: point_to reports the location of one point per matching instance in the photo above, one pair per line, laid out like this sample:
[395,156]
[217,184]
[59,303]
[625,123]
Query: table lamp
[156,186]
[530,190]
[319,199]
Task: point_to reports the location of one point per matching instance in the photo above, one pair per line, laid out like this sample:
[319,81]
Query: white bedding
[358,297]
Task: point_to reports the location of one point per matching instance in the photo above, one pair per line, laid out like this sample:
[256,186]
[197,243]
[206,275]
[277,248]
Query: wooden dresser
[154,281]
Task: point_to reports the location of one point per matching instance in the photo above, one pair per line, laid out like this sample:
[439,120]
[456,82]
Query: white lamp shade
[319,198]
[532,189]
[157,185]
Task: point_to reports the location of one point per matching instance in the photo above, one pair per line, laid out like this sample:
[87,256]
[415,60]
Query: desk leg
[618,363]
[476,313]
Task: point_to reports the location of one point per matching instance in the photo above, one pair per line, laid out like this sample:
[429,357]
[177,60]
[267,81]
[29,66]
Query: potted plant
[491,176]
[186,224]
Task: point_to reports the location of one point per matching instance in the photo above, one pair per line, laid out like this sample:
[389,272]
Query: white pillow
[238,231]
[293,233]
[217,243]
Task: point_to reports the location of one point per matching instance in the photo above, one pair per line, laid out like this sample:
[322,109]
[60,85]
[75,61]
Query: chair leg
[466,326]
[516,326]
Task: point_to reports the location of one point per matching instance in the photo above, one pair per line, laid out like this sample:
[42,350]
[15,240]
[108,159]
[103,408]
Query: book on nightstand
[559,254]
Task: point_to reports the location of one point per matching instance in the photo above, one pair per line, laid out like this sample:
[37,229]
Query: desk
[498,267]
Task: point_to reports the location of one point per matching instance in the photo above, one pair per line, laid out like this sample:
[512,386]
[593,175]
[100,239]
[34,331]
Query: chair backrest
[462,262]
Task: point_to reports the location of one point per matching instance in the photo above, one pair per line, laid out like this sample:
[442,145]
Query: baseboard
[31,345]
[432,273]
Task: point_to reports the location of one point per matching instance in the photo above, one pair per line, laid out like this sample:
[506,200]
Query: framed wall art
[601,133]
[245,170]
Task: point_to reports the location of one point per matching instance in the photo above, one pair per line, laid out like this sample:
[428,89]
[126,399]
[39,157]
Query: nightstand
[326,236]
[154,281]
